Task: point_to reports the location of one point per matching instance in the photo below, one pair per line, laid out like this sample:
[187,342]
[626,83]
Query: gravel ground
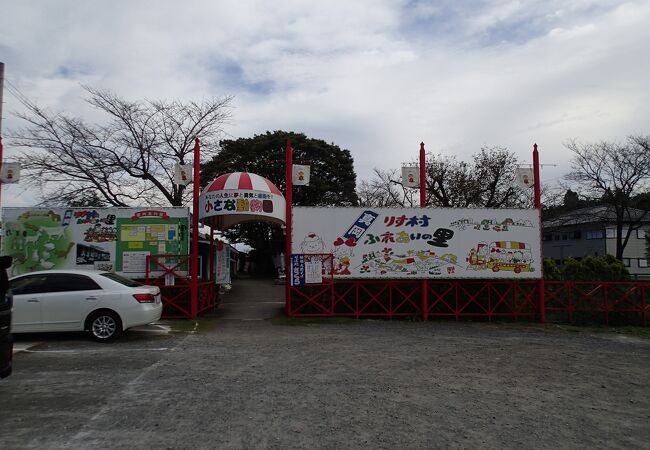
[365,384]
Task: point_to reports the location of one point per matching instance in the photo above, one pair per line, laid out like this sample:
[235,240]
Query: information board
[116,239]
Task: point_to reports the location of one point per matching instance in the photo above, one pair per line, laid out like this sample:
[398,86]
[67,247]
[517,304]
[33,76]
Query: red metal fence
[605,302]
[574,302]
[170,273]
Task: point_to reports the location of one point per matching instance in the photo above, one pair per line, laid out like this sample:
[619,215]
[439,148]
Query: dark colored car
[6,341]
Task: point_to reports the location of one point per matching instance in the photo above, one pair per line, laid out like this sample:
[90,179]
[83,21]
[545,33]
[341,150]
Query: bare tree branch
[126,161]
[614,173]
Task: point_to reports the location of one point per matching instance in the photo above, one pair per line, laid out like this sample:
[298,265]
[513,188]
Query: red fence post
[644,309]
[287,221]
[538,206]
[194,261]
[423,204]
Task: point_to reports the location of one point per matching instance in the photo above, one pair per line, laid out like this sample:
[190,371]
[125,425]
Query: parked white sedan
[102,303]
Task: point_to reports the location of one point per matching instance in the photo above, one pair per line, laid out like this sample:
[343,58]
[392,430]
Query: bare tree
[385,189]
[614,173]
[127,161]
[495,173]
[488,181]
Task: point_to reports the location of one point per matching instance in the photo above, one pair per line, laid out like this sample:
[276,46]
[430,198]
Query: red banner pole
[194,260]
[211,276]
[423,204]
[423,174]
[538,206]
[287,252]
[1,156]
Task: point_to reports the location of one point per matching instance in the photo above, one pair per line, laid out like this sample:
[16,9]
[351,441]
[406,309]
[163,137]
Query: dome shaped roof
[242,180]
[239,197]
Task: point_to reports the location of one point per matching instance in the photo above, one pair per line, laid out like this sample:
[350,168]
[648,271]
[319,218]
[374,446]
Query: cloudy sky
[375,77]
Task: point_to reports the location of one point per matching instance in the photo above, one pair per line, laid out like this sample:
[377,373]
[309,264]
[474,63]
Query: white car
[103,303]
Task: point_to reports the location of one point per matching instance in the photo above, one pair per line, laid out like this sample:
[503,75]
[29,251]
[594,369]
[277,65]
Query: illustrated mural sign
[116,239]
[422,243]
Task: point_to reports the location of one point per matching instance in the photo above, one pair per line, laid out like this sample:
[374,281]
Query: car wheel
[105,326]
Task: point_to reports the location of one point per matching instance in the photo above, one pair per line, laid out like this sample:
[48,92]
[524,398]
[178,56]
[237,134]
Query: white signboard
[10,173]
[411,176]
[314,270]
[389,243]
[525,177]
[254,205]
[300,175]
[222,266]
[134,262]
[183,174]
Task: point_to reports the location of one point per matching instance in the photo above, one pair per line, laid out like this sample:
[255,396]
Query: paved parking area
[367,384]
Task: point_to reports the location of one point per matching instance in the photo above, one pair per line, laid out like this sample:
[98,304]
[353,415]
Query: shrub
[595,268]
[551,271]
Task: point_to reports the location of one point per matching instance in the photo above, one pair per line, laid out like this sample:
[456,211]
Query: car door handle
[32,300]
[91,298]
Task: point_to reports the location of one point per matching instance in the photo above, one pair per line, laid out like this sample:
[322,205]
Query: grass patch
[202,324]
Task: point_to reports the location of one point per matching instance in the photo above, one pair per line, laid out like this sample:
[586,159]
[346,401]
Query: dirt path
[252,299]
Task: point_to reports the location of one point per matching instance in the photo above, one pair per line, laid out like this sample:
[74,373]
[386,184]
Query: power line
[16,92]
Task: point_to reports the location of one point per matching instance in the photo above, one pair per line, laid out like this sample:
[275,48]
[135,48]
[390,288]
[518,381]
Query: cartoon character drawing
[312,243]
[342,259]
[501,255]
[411,262]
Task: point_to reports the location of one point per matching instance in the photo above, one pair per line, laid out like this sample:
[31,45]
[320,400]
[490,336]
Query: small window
[547,237]
[595,234]
[120,279]
[63,282]
[611,233]
[30,284]
[556,237]
[576,234]
[643,263]
[565,236]
[641,233]
[626,262]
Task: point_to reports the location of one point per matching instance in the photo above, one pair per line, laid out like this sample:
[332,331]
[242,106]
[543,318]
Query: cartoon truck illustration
[501,255]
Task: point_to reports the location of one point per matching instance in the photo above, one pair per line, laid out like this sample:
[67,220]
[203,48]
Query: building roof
[594,214]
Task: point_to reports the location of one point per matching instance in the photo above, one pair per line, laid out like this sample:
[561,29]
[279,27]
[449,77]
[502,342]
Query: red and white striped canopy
[240,197]
[242,180]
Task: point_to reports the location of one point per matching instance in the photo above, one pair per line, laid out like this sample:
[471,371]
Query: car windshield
[122,280]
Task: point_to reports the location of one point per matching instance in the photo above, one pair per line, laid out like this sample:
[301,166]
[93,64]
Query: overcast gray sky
[375,77]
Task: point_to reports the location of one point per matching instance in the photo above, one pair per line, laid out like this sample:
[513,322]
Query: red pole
[194,257]
[287,252]
[1,157]
[211,276]
[2,86]
[423,204]
[423,173]
[538,206]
